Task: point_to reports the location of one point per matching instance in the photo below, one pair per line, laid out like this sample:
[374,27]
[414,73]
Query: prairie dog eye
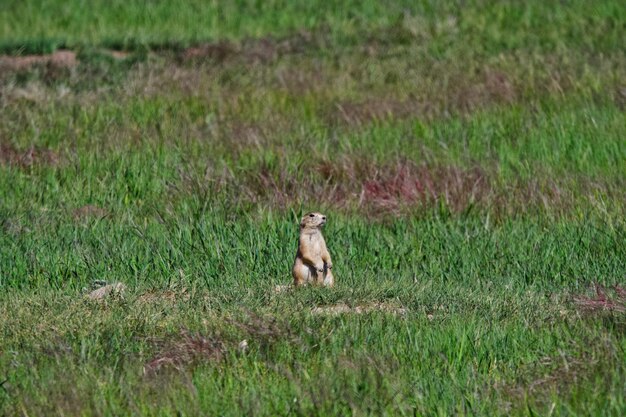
[311,215]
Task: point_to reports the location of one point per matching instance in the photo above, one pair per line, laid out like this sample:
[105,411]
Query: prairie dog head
[313,221]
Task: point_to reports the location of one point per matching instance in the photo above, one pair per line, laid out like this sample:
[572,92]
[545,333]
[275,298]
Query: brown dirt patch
[58,59]
[32,156]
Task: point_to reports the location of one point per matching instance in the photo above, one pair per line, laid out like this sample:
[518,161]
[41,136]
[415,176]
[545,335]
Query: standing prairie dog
[312,264]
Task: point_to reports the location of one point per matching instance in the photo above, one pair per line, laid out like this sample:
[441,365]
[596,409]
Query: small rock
[117,288]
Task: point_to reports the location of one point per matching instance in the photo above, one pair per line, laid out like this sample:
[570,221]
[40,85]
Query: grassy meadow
[470,157]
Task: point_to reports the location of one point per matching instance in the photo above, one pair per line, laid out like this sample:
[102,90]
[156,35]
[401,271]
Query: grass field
[470,157]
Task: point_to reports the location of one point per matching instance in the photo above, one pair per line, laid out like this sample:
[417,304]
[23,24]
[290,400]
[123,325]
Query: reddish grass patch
[407,184]
[384,188]
[30,157]
[396,187]
[605,299]
[190,348]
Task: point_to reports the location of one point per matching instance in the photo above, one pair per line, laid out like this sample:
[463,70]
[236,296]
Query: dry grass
[249,51]
[33,156]
[59,59]
[402,186]
[342,308]
[90,211]
[540,381]
[188,349]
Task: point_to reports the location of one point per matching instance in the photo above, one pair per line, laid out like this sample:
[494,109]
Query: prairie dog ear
[307,219]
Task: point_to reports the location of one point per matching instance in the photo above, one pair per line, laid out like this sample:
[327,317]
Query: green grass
[471,160]
[43,25]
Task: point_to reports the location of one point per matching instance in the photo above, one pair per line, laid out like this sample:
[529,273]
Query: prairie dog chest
[314,242]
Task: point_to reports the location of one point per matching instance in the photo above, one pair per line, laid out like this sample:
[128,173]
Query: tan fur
[312,264]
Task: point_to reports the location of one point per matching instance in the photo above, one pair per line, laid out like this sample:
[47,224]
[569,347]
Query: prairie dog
[312,264]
